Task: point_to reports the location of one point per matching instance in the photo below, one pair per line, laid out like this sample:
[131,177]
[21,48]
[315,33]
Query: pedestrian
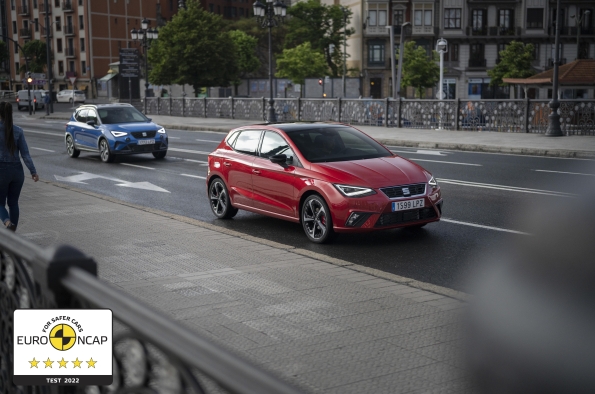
[46,103]
[12,176]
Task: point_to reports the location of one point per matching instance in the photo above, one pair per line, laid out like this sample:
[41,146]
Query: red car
[331,178]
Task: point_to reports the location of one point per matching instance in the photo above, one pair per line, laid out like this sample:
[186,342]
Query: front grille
[397,191]
[139,134]
[391,218]
[146,148]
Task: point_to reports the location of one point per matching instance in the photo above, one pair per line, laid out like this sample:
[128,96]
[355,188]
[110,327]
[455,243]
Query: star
[63,363]
[77,363]
[34,363]
[91,363]
[48,363]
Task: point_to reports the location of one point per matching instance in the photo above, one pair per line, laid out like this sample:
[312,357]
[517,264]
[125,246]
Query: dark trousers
[12,178]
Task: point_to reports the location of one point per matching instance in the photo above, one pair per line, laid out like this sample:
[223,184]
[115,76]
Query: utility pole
[48,44]
[344,51]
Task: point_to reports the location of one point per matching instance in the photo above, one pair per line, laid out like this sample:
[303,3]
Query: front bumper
[123,147]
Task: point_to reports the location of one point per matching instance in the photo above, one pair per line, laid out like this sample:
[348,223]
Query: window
[34,3]
[399,18]
[587,17]
[422,16]
[241,12]
[234,12]
[82,45]
[562,19]
[453,53]
[59,45]
[428,17]
[84,67]
[212,7]
[501,47]
[60,67]
[17,65]
[478,19]
[452,18]
[535,51]
[91,115]
[58,23]
[505,18]
[372,18]
[71,66]
[14,27]
[274,144]
[376,52]
[26,24]
[81,22]
[477,52]
[12,7]
[535,18]
[57,3]
[247,141]
[36,22]
[418,18]
[81,116]
[16,48]
[80,2]
[382,18]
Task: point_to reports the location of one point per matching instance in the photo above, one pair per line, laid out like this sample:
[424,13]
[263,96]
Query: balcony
[69,30]
[44,33]
[43,10]
[477,63]
[70,52]
[424,30]
[24,9]
[377,30]
[493,31]
[571,31]
[67,6]
[25,32]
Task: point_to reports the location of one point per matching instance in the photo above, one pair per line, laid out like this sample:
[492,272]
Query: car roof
[300,126]
[98,106]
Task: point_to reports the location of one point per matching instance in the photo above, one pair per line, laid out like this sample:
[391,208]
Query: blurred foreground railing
[577,117]
[152,353]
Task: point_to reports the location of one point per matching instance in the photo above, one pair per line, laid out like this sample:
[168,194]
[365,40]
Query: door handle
[226,164]
[256,172]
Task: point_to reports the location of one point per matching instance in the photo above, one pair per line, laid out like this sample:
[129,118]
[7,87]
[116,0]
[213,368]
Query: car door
[90,133]
[273,184]
[238,166]
[76,129]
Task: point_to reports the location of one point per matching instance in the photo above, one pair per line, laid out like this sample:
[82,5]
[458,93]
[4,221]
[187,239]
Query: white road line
[45,132]
[419,152]
[173,138]
[483,226]
[447,162]
[45,150]
[198,152]
[134,165]
[563,172]
[194,176]
[506,188]
[216,142]
[190,160]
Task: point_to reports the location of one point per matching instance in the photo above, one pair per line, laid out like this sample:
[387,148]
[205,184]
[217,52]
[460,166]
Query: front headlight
[355,191]
[161,131]
[432,182]
[119,133]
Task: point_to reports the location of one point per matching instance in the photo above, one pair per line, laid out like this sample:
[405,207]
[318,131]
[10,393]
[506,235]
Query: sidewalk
[327,325]
[514,143]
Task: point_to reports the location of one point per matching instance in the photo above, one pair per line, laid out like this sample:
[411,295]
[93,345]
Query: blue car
[113,129]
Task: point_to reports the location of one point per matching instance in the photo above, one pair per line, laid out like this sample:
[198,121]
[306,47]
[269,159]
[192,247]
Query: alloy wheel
[69,146]
[104,151]
[218,197]
[314,217]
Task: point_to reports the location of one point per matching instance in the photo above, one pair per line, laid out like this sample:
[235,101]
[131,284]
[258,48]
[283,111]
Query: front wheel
[70,149]
[106,156]
[316,219]
[219,199]
[159,155]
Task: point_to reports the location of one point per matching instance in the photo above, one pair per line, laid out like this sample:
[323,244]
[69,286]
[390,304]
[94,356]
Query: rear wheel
[159,155]
[70,149]
[219,199]
[70,101]
[316,219]
[106,156]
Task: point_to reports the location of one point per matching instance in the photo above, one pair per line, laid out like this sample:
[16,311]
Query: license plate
[409,204]
[146,142]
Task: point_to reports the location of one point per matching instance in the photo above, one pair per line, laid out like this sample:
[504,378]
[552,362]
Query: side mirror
[150,119]
[91,123]
[278,159]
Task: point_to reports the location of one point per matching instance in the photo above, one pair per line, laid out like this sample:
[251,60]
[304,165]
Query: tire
[104,152]
[70,149]
[159,155]
[70,101]
[219,200]
[316,219]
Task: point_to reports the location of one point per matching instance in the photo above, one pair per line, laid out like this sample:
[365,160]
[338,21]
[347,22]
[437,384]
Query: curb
[455,294]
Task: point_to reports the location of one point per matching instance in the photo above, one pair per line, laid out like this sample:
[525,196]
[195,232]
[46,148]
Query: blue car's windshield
[121,115]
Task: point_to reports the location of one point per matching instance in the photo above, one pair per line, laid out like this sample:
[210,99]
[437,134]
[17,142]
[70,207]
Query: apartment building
[86,35]
[476,31]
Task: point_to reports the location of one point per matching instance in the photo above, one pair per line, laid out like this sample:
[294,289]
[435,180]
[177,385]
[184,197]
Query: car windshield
[121,115]
[336,144]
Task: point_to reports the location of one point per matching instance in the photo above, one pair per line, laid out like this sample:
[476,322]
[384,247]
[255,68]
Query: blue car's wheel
[104,151]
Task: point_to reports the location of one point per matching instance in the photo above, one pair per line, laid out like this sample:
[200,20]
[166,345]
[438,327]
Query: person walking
[12,177]
[46,103]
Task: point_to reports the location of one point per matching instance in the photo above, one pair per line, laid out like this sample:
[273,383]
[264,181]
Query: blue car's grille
[148,134]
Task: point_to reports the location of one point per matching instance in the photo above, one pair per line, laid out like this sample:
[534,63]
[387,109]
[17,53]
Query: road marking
[45,132]
[198,152]
[173,138]
[84,176]
[194,176]
[506,188]
[191,160]
[483,226]
[216,142]
[420,152]
[447,162]
[45,150]
[134,165]
[563,172]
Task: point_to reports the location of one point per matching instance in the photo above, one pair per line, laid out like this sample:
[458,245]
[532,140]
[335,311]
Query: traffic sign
[38,75]
[72,80]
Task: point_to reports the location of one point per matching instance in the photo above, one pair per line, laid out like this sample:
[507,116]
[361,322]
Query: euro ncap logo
[62,337]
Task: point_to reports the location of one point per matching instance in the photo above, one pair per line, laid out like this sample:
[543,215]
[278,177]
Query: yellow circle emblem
[62,337]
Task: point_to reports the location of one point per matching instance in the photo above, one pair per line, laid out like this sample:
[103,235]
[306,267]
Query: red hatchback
[328,177]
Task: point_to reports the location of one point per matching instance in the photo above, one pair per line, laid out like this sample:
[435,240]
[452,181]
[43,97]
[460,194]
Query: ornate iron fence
[577,117]
[152,354]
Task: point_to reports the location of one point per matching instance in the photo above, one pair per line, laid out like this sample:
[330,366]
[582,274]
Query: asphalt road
[484,199]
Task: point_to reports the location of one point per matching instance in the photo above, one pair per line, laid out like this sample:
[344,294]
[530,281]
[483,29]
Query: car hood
[131,127]
[379,172]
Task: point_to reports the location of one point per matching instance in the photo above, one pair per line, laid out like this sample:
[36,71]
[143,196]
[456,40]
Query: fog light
[127,139]
[356,219]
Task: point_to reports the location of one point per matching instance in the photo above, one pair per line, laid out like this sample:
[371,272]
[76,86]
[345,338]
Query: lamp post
[344,9]
[144,34]
[441,48]
[579,22]
[269,15]
[391,29]
[554,129]
[401,50]
[48,44]
[27,74]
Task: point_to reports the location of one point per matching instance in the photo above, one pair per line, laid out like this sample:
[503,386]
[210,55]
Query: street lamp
[554,129]
[269,15]
[441,48]
[579,22]
[146,36]
[401,50]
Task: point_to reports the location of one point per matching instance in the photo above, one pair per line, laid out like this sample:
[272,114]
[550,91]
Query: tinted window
[247,141]
[79,92]
[336,144]
[81,116]
[121,115]
[274,144]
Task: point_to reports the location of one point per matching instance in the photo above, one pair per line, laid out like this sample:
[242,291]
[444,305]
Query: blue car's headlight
[161,130]
[118,133]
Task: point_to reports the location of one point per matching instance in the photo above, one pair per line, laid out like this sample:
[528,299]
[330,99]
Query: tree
[515,62]
[36,51]
[246,56]
[324,27]
[301,62]
[194,49]
[419,71]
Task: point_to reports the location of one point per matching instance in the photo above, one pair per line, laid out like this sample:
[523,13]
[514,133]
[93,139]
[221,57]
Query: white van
[37,96]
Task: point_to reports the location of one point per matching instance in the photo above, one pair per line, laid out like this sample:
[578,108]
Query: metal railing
[522,116]
[167,357]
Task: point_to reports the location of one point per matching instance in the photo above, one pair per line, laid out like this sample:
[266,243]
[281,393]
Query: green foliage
[515,62]
[36,52]
[300,63]
[323,26]
[246,53]
[419,71]
[194,49]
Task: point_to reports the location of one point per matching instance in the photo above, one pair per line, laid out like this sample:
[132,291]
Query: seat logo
[406,190]
[144,134]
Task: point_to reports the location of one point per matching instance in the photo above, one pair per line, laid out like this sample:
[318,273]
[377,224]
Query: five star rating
[63,363]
